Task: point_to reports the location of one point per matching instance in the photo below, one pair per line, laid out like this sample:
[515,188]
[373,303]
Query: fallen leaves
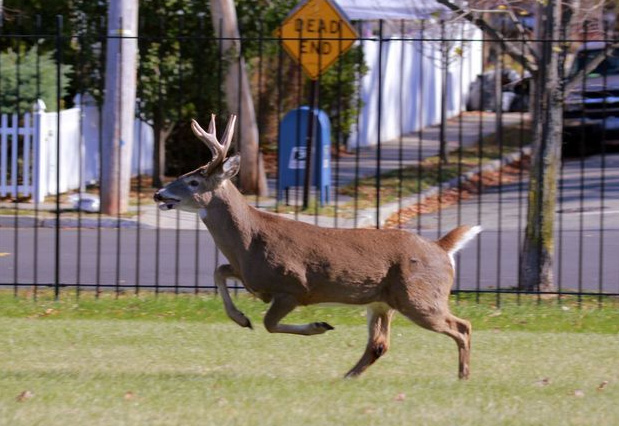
[46,313]
[476,184]
[603,385]
[24,396]
[430,204]
[132,397]
[578,393]
[400,397]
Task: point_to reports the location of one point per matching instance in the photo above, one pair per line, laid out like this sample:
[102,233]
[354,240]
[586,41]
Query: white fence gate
[31,165]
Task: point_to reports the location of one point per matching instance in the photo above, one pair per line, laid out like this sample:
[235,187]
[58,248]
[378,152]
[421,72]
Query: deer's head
[194,190]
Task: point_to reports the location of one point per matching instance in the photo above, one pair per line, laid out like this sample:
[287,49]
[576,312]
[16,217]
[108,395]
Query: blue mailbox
[292,152]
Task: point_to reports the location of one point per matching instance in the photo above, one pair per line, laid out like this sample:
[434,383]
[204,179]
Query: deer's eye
[194,183]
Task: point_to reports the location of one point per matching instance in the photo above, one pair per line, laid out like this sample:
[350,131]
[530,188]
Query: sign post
[315,34]
[309,143]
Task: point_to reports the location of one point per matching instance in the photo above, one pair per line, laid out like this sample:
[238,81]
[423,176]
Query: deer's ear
[231,167]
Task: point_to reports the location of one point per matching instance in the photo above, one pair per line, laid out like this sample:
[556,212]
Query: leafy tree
[178,58]
[338,96]
[178,74]
[38,56]
[88,47]
[28,76]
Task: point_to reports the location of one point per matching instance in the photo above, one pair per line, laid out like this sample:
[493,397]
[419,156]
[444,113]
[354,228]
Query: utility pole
[119,105]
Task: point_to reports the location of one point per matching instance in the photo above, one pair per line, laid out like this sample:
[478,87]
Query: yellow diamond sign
[315,34]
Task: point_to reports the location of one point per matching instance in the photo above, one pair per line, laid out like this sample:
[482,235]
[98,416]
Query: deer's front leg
[221,273]
[282,305]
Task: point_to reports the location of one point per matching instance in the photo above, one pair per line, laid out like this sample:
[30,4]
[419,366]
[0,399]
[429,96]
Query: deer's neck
[230,221]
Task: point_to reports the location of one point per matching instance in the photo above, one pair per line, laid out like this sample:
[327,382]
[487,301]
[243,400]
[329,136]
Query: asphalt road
[586,243]
[108,257]
[167,259]
[586,226]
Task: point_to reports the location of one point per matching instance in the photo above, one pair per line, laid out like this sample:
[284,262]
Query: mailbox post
[292,149]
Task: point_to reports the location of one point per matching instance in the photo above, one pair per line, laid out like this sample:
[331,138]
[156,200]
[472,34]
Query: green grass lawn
[177,360]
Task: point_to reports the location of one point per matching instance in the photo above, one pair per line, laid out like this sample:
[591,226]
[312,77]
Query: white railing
[37,160]
[17,173]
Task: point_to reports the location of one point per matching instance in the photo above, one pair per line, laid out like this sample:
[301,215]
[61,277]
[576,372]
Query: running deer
[289,263]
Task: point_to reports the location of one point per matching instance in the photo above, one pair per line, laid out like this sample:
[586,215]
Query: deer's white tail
[456,239]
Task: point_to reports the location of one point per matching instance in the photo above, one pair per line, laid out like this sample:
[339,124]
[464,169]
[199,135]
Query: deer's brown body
[288,263]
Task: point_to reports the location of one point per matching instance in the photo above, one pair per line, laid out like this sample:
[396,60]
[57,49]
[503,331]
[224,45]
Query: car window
[608,67]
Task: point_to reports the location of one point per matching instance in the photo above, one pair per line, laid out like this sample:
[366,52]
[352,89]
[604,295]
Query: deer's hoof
[323,325]
[243,321]
[351,375]
[248,324]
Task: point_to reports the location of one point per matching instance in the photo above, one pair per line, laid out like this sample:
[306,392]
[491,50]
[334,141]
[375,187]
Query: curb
[24,221]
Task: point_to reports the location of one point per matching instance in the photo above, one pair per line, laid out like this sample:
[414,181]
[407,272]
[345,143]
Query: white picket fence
[19,174]
[36,160]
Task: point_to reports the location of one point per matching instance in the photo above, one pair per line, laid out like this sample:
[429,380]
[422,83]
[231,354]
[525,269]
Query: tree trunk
[252,179]
[160,134]
[538,245]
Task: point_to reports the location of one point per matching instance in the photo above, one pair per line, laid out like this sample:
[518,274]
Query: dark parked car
[591,109]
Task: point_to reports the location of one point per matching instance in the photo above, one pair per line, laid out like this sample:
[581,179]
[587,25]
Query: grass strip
[517,312]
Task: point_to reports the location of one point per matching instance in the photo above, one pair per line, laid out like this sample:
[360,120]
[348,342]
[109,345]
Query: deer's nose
[157,196]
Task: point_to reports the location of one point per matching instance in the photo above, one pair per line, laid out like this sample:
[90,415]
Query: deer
[288,263]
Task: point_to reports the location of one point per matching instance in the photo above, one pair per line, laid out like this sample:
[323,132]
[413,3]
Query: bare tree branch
[525,57]
[514,19]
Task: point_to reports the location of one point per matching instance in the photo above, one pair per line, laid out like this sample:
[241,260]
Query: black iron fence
[429,128]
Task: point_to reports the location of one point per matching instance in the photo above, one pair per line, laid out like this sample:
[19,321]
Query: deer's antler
[209,138]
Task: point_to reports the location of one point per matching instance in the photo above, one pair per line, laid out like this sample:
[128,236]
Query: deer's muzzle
[166,203]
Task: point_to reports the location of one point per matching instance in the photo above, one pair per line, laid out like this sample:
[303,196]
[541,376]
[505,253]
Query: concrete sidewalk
[465,130]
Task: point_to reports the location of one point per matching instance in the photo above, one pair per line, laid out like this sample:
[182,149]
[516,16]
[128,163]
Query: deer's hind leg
[221,274]
[460,330]
[379,317]
[438,318]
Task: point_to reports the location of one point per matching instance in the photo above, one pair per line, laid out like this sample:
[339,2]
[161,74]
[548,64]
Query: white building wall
[409,83]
